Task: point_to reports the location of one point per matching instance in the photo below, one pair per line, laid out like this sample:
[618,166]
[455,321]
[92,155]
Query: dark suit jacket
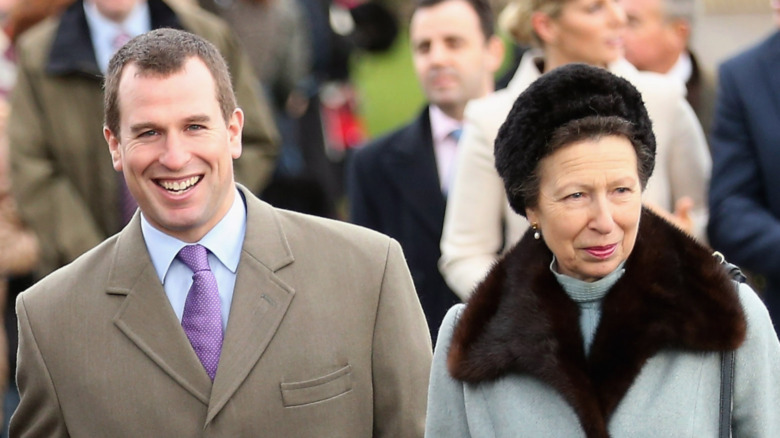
[393,187]
[326,338]
[745,187]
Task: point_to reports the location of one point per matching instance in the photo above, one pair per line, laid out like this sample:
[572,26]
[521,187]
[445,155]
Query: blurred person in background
[18,258]
[19,243]
[657,39]
[276,35]
[479,225]
[744,192]
[398,183]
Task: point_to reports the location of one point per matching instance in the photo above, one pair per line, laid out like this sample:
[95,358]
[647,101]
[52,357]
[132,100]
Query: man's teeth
[178,186]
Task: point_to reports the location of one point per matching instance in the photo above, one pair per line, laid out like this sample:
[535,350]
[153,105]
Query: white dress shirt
[104,31]
[445,145]
[682,69]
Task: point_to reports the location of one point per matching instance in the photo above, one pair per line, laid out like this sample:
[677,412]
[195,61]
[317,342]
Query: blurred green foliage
[387,87]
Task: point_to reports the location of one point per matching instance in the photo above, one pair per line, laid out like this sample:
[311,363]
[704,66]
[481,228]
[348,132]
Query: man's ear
[235,127]
[545,27]
[495,49]
[682,30]
[113,148]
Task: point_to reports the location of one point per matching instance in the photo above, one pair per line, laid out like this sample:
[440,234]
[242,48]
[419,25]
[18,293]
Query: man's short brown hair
[163,52]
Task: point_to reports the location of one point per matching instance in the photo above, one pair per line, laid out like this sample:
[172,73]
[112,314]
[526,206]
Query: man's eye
[148,133]
[196,127]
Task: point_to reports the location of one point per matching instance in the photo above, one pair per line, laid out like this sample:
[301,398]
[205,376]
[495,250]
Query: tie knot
[120,39]
[195,257]
[455,134]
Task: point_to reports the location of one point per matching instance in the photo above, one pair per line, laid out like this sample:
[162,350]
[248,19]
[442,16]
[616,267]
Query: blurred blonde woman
[479,224]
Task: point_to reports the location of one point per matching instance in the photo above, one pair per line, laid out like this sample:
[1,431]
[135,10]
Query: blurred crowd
[431,184]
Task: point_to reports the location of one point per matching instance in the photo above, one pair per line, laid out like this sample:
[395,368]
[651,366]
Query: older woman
[479,224]
[605,319]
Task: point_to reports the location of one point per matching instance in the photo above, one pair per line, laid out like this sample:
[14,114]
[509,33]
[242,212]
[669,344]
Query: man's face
[651,42]
[115,10]
[175,149]
[453,61]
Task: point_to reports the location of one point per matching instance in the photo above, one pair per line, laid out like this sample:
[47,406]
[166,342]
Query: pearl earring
[537,233]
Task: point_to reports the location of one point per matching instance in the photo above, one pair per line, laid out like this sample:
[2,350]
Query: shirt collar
[225,240]
[137,21]
[103,31]
[442,125]
[683,68]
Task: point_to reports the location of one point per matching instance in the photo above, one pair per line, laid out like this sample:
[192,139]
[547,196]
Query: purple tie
[202,318]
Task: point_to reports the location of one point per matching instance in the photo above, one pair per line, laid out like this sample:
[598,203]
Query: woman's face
[589,31]
[589,205]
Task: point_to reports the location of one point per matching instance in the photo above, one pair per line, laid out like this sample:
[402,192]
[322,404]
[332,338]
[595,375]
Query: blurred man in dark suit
[398,184]
[744,195]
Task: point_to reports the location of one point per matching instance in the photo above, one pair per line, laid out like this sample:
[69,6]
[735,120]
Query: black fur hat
[563,95]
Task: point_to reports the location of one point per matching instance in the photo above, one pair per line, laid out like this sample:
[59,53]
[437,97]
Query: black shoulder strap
[727,359]
[731,269]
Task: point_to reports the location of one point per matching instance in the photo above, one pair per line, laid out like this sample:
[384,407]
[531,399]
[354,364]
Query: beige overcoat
[325,338]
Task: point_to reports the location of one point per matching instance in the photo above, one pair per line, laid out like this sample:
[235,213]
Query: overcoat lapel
[260,301]
[412,168]
[146,316]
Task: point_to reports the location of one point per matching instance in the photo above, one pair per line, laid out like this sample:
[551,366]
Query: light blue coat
[675,393]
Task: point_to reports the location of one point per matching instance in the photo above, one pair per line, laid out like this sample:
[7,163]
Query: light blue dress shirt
[224,243]
[104,31]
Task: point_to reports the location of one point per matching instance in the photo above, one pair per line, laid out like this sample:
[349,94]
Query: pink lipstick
[602,252]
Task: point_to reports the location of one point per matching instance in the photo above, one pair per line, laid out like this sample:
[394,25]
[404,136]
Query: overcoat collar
[673,295]
[260,301]
[412,167]
[72,51]
[693,85]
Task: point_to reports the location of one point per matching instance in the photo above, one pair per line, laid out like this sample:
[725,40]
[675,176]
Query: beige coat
[479,223]
[326,338]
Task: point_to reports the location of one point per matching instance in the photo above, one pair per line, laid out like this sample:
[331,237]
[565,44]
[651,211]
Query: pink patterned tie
[202,318]
[120,39]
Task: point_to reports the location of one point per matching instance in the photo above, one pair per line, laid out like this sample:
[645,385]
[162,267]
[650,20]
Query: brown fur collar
[673,295]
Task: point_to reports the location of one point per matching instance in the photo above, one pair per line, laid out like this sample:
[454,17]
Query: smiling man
[64,185]
[212,313]
[398,184]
